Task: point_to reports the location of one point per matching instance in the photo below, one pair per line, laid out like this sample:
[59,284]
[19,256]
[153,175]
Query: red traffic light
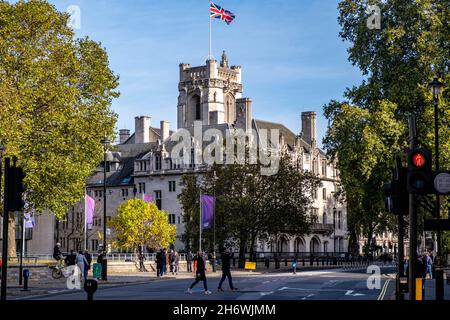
[418,159]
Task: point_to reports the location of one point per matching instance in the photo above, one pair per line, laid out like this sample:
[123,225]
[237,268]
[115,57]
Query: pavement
[324,284]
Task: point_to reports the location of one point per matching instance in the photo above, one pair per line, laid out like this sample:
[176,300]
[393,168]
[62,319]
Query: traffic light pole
[401,255]
[5,230]
[412,245]
[412,220]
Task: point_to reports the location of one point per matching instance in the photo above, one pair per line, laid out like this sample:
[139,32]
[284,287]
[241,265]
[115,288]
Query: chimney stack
[124,134]
[165,130]
[309,127]
[142,129]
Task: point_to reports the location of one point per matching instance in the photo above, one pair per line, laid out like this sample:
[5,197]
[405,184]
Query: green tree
[139,223]
[55,96]
[397,63]
[249,205]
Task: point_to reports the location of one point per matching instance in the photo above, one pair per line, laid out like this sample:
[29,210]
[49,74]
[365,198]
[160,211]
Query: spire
[224,62]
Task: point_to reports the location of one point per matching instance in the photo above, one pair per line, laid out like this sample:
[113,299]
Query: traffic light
[16,189]
[420,175]
[396,196]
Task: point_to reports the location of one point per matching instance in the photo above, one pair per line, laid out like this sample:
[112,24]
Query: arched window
[314,245]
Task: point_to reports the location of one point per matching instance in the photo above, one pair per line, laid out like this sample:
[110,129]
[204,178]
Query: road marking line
[383,290]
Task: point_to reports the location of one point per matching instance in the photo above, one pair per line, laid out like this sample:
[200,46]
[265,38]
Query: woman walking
[200,274]
[81,263]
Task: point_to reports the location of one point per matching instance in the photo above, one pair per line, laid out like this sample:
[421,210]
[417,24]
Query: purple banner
[148,198]
[89,211]
[208,204]
[29,220]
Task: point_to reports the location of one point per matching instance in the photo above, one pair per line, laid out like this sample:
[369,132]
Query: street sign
[108,231]
[442,183]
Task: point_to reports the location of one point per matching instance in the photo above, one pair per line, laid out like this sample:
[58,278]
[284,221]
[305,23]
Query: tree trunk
[252,244]
[11,236]
[242,245]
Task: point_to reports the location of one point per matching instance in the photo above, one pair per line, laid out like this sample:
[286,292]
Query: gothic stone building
[141,163]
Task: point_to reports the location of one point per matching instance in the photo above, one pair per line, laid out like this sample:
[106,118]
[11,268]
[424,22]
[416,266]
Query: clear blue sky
[290,52]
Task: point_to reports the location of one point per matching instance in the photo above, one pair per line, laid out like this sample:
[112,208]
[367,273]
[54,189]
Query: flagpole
[201,215]
[210,34]
[214,224]
[85,222]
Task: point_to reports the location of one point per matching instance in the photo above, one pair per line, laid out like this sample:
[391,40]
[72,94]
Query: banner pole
[85,222]
[200,225]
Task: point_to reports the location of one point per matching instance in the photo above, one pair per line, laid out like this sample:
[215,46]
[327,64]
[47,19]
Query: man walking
[141,262]
[158,263]
[87,267]
[189,258]
[226,273]
[200,274]
[171,261]
[71,258]
[429,265]
[163,263]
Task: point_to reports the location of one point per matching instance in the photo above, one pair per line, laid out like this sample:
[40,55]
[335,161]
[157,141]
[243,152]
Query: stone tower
[208,93]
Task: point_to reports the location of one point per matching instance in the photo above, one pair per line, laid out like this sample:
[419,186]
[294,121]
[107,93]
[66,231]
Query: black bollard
[26,275]
[285,262]
[323,262]
[90,286]
[303,262]
[317,261]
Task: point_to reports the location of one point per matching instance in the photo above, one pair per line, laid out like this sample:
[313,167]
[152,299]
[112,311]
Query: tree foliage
[55,96]
[397,63]
[139,223]
[249,205]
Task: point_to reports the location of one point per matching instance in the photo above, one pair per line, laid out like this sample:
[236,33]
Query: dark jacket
[163,258]
[189,256]
[225,257]
[71,259]
[201,269]
[88,259]
[57,254]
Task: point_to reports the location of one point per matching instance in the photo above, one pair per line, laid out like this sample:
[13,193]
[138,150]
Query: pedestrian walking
[200,274]
[71,258]
[87,267]
[172,261]
[158,263]
[163,263]
[294,265]
[81,262]
[176,263]
[429,265]
[225,257]
[189,258]
[141,257]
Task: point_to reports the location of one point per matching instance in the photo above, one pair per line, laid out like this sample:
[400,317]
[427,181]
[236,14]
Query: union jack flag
[220,13]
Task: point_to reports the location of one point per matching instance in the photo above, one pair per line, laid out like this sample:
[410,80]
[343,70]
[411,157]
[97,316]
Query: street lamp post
[334,233]
[105,143]
[435,86]
[5,226]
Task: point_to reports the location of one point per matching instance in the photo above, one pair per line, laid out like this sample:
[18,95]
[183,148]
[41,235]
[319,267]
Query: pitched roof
[126,154]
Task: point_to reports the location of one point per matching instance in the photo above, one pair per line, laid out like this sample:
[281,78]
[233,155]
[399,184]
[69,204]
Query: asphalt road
[308,285]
